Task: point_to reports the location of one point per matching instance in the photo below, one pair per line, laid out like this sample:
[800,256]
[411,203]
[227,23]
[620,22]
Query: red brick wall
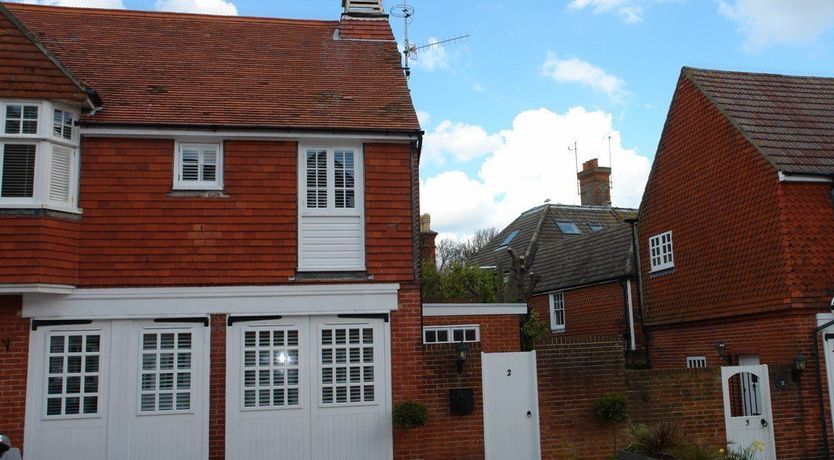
[593,310]
[217,389]
[38,250]
[573,372]
[458,436]
[28,73]
[718,196]
[776,339]
[13,368]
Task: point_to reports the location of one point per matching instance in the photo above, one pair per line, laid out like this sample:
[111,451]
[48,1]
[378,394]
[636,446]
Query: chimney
[594,184]
[427,237]
[363,8]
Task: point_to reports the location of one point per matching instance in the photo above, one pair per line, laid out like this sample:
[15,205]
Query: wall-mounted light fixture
[461,353]
[799,363]
[721,349]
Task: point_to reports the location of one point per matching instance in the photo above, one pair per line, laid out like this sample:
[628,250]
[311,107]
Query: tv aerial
[410,50]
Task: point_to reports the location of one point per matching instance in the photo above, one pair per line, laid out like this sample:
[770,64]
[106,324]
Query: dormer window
[21,119]
[568,228]
[198,167]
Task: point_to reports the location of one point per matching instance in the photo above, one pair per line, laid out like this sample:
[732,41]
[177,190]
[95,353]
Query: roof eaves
[93,99]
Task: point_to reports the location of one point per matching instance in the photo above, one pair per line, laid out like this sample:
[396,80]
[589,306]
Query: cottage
[736,237]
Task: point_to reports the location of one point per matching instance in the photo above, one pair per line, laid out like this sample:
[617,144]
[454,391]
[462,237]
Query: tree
[450,252]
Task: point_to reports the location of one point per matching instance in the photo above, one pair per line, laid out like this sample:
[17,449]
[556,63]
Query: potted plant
[409,414]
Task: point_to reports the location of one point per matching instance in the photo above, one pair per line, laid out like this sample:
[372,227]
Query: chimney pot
[594,184]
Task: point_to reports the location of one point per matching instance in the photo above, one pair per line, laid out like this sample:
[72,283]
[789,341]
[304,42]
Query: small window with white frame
[20,118]
[696,362]
[330,179]
[557,311]
[198,166]
[165,372]
[660,251]
[451,334]
[72,368]
[62,124]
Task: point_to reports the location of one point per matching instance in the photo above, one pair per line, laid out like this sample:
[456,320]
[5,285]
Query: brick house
[208,235]
[736,243]
[583,255]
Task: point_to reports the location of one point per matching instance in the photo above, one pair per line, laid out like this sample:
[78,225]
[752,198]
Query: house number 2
[509,372]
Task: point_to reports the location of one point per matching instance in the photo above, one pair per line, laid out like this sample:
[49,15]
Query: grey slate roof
[790,119]
[543,218]
[587,259]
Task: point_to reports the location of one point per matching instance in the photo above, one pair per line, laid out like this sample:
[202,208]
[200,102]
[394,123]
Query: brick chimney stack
[427,237]
[594,184]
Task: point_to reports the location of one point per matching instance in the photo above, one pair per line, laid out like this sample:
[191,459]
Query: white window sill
[198,187]
[51,207]
[662,268]
[557,330]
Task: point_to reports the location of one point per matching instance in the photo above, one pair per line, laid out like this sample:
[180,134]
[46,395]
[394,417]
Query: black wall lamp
[461,353]
[721,349]
[799,363]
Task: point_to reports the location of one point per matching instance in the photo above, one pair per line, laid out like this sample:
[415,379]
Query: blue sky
[500,107]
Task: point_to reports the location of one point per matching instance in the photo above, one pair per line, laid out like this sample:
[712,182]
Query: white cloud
[630,10]
[219,7]
[573,70]
[431,57]
[461,141]
[478,88]
[108,4]
[773,22]
[532,164]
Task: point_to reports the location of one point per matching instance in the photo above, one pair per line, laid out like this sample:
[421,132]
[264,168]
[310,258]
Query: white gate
[118,389]
[748,417]
[308,387]
[511,406]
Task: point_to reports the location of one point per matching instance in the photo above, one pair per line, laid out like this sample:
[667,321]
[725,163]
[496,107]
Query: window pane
[18,171]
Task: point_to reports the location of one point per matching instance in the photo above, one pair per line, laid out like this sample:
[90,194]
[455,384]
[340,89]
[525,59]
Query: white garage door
[308,387]
[117,389]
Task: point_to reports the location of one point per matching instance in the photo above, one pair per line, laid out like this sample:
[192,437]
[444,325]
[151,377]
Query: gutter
[639,274]
[820,398]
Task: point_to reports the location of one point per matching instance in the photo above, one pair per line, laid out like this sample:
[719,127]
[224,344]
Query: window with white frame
[21,119]
[38,159]
[451,334]
[271,368]
[330,178]
[557,311]
[347,366]
[660,251]
[165,374]
[72,367]
[198,167]
[696,362]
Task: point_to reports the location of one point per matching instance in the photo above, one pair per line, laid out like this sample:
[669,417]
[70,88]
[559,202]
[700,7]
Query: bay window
[38,156]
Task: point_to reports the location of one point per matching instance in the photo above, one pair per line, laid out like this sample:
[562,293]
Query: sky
[501,107]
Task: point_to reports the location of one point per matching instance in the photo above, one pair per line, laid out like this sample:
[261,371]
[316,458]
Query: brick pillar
[217,389]
[14,356]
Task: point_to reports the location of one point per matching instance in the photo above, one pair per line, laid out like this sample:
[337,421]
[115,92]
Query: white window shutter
[60,179]
[209,165]
[190,166]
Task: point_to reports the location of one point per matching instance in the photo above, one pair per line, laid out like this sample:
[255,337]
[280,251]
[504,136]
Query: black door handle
[530,414]
[764,423]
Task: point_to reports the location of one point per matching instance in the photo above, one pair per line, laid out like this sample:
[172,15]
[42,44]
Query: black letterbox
[461,401]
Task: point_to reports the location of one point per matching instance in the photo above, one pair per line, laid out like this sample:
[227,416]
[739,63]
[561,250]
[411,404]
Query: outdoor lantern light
[799,362]
[460,354]
[721,349]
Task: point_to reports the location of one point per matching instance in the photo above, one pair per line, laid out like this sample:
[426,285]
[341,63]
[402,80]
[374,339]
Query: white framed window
[271,368]
[20,118]
[62,124]
[331,180]
[73,372]
[557,311]
[660,251]
[198,166]
[347,366]
[696,362]
[17,170]
[451,334]
[165,375]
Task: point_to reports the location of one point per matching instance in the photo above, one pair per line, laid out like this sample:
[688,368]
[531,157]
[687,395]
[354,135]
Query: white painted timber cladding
[331,243]
[120,430]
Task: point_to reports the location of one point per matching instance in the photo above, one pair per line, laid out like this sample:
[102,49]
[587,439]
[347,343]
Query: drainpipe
[639,274]
[820,398]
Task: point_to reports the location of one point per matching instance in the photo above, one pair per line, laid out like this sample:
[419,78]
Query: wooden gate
[747,413]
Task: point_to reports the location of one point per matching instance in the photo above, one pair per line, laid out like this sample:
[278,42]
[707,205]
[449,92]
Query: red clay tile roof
[29,71]
[197,70]
[789,119]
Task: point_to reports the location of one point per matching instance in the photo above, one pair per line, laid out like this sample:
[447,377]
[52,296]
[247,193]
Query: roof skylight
[568,228]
